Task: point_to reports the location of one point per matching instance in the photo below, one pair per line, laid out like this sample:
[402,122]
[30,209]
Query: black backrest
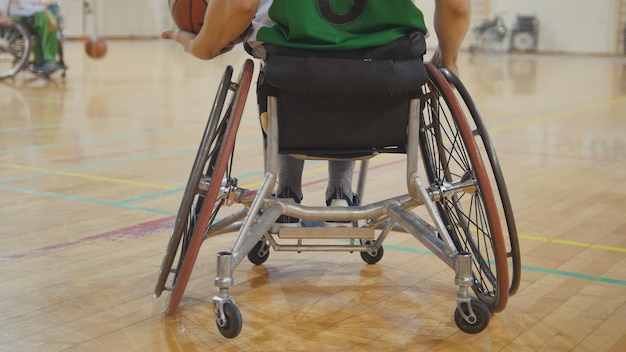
[345,104]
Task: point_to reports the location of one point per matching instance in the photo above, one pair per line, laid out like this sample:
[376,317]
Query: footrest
[326,233]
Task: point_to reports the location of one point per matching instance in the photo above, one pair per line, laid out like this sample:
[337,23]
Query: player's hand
[439,61]
[186,38]
[182,37]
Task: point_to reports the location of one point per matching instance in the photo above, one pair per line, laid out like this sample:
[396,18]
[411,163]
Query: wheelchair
[392,106]
[524,34]
[16,45]
[489,36]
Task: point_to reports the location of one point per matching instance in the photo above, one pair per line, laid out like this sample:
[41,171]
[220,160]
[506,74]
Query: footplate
[326,233]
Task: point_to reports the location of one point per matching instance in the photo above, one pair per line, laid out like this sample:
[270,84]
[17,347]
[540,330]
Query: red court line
[139,230]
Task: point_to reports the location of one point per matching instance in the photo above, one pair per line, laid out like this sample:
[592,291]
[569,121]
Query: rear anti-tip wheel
[259,253]
[477,323]
[231,326]
[374,256]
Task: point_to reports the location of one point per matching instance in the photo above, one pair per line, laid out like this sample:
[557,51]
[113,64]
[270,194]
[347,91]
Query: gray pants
[290,175]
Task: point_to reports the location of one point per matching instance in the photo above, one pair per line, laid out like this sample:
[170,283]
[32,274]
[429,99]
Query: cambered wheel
[192,201]
[481,313]
[202,198]
[259,253]
[231,327]
[487,148]
[463,195]
[15,47]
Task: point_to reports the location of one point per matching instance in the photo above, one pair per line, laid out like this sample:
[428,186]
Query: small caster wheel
[481,321]
[259,253]
[231,327]
[374,258]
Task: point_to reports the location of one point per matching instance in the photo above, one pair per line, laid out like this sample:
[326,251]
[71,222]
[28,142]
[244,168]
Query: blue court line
[530,268]
[84,200]
[179,189]
[110,162]
[123,204]
[151,195]
[99,164]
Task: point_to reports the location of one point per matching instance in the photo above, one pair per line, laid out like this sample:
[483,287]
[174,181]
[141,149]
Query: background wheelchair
[465,197]
[489,36]
[16,45]
[524,34]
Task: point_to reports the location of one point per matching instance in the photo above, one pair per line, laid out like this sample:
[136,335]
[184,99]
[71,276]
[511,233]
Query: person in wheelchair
[325,26]
[40,18]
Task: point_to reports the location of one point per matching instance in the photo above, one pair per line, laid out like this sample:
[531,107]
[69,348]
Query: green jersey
[332,24]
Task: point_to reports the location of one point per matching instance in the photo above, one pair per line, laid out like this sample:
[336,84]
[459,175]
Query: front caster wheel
[231,326]
[480,319]
[372,257]
[259,253]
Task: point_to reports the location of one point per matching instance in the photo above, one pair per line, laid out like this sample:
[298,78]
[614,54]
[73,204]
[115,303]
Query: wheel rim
[221,149]
[14,49]
[191,195]
[472,221]
[483,138]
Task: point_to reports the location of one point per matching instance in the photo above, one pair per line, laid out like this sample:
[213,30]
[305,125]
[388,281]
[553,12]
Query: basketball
[188,15]
[95,47]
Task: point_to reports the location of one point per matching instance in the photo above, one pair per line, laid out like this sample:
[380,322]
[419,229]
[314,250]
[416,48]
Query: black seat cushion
[386,70]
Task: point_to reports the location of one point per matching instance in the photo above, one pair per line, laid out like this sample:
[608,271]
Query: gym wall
[565,26]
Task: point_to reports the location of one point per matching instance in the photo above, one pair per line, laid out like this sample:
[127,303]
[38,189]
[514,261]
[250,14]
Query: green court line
[99,164]
[530,268]
[392,247]
[85,200]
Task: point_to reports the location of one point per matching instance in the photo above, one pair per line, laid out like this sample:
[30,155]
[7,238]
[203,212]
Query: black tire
[234,322]
[259,253]
[375,258]
[482,318]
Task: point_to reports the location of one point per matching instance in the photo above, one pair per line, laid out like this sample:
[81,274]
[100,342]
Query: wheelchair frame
[16,43]
[465,233]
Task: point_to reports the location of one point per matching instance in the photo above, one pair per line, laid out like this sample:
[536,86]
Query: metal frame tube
[417,189]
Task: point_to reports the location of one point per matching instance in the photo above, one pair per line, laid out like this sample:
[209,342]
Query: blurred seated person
[42,22]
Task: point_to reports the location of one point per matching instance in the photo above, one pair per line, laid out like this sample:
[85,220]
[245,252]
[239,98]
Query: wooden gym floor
[92,170]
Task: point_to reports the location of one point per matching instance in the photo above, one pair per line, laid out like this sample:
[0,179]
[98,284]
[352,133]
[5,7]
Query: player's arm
[451,22]
[224,22]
